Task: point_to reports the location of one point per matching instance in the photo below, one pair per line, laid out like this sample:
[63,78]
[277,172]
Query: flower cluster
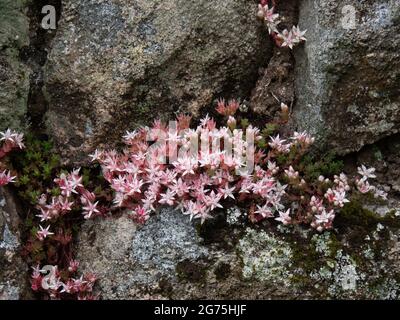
[10,140]
[336,196]
[227,109]
[286,38]
[6,178]
[58,285]
[195,182]
[364,186]
[73,194]
[161,166]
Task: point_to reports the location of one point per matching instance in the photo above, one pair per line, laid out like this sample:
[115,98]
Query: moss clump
[305,256]
[353,214]
[334,245]
[359,224]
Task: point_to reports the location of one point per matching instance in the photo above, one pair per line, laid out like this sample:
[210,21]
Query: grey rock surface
[170,258]
[13,270]
[348,79]
[163,259]
[14,74]
[115,65]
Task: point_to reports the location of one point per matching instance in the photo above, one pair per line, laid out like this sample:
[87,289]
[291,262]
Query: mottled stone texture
[14,74]
[171,258]
[348,80]
[117,64]
[13,270]
[165,258]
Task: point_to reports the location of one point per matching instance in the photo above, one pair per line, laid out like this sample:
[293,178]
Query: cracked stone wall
[13,270]
[348,79]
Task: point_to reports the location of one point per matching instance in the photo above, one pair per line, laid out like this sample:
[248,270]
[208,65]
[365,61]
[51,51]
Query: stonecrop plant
[164,166]
[10,140]
[60,284]
[43,245]
[198,170]
[284,38]
[73,194]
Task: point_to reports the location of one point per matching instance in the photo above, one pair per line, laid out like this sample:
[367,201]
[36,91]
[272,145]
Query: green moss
[143,108]
[368,198]
[281,159]
[13,23]
[305,256]
[359,223]
[301,281]
[334,245]
[354,214]
[262,143]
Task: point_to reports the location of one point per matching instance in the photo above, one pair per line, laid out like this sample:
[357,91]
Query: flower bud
[284,112]
[231,122]
[284,108]
[260,14]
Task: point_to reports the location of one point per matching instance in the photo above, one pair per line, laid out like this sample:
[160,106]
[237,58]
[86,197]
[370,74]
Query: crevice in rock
[35,56]
[277,80]
[384,155]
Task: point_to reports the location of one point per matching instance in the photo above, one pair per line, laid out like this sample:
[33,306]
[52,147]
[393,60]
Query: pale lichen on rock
[265,258]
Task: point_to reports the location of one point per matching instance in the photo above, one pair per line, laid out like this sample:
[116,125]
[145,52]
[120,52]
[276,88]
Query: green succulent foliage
[262,143]
[269,130]
[37,166]
[327,165]
[244,123]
